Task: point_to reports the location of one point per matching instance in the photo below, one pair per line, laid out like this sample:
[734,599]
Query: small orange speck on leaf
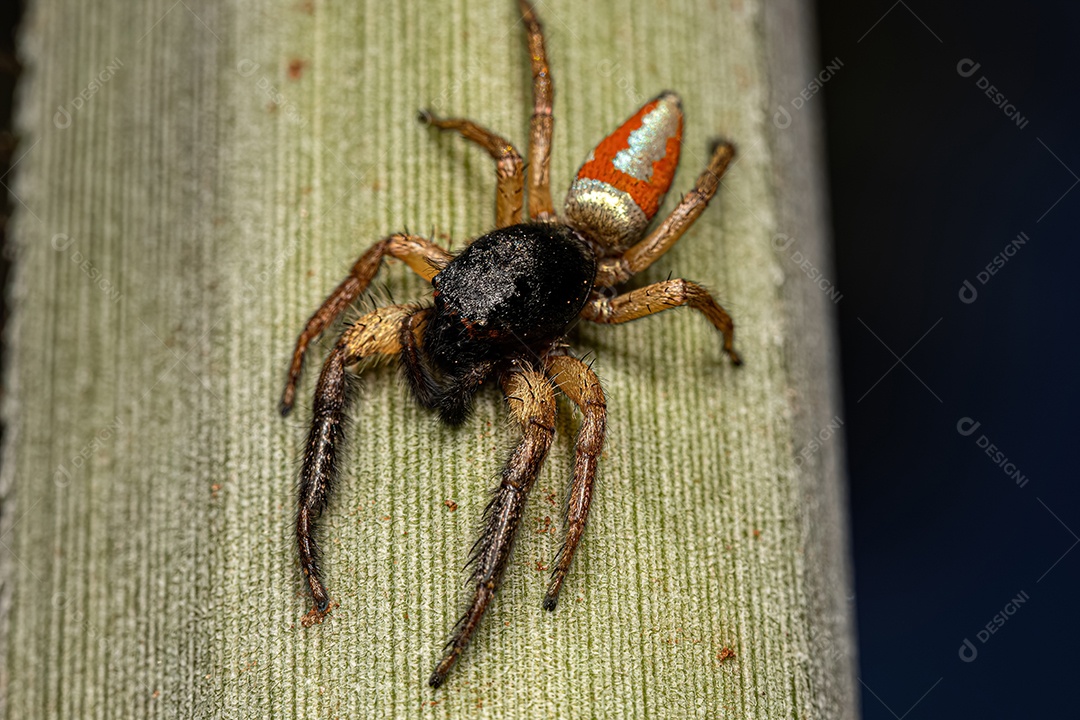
[296,68]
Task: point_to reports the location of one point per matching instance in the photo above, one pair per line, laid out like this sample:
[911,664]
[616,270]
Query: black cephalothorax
[500,312]
[507,297]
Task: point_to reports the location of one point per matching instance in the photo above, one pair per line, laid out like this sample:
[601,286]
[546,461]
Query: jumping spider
[501,310]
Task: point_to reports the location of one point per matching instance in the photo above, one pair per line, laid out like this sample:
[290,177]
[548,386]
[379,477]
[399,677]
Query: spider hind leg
[661,296]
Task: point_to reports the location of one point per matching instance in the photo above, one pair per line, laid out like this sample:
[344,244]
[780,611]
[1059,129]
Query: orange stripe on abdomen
[641,156]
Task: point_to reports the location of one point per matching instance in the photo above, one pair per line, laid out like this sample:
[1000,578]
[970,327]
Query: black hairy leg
[422,379]
[531,401]
[372,336]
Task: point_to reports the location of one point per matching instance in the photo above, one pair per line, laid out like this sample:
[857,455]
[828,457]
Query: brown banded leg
[659,241]
[531,400]
[424,257]
[580,384]
[508,172]
[662,296]
[542,123]
[375,334]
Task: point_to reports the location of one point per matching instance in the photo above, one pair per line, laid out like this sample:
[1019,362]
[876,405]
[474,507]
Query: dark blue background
[929,181]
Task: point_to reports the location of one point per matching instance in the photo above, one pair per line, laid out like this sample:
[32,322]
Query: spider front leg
[424,257]
[508,175]
[578,382]
[531,400]
[375,334]
[661,296]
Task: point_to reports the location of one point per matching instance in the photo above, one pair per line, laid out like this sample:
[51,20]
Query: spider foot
[551,599]
[287,399]
[436,679]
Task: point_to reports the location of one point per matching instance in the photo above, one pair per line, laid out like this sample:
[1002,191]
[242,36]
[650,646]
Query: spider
[501,310]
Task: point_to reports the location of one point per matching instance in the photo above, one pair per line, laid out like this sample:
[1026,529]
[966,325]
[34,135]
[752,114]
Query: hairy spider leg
[531,400]
[542,122]
[578,382]
[612,271]
[508,164]
[660,240]
[671,293]
[661,296]
[372,336]
[424,257]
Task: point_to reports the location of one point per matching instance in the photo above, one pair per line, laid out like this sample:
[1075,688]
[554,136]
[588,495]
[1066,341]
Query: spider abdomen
[624,179]
[516,287]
